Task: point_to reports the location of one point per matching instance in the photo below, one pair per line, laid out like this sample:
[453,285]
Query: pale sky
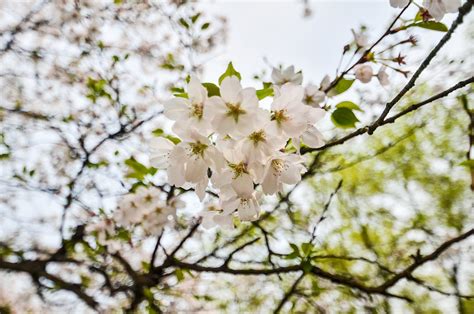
[277,31]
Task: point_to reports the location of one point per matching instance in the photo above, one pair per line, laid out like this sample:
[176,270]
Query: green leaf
[146,266]
[344,118]
[348,105]
[123,234]
[195,17]
[292,255]
[341,87]
[212,89]
[295,253]
[183,23]
[435,26]
[158,132]
[468,163]
[177,90]
[182,95]
[229,72]
[4,156]
[265,92]
[173,139]
[179,274]
[137,170]
[432,25]
[306,248]
[205,26]
[97,165]
[307,267]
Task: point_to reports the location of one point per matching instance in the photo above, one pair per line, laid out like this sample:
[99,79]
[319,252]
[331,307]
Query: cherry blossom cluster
[144,208]
[233,147]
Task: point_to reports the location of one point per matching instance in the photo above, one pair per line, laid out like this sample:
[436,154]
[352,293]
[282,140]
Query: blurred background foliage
[368,209]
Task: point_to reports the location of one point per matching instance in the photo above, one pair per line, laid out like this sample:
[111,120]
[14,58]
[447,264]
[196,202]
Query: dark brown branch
[422,260]
[240,248]
[37,269]
[289,293]
[463,11]
[392,119]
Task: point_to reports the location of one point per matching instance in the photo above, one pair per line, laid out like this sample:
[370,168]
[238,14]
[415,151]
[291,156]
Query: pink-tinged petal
[214,158]
[214,106]
[249,98]
[196,170]
[224,124]
[314,114]
[452,6]
[176,108]
[196,92]
[277,76]
[176,175]
[291,175]
[243,185]
[220,179]
[230,205]
[231,90]
[312,137]
[293,127]
[208,220]
[249,210]
[270,182]
[201,187]
[293,92]
[225,221]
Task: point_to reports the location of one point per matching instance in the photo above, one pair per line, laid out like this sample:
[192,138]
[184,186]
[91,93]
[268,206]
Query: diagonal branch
[392,119]
[463,11]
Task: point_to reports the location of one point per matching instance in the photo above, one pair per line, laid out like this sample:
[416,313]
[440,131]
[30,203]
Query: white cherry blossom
[438,8]
[213,216]
[261,142]
[147,207]
[191,112]
[238,175]
[287,75]
[364,73]
[289,111]
[235,111]
[246,205]
[282,168]
[313,96]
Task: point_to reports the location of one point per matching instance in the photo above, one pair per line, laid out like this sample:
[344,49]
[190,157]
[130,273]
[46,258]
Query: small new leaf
[183,23]
[348,105]
[341,87]
[266,91]
[229,72]
[344,118]
[137,170]
[212,89]
[435,26]
[432,25]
